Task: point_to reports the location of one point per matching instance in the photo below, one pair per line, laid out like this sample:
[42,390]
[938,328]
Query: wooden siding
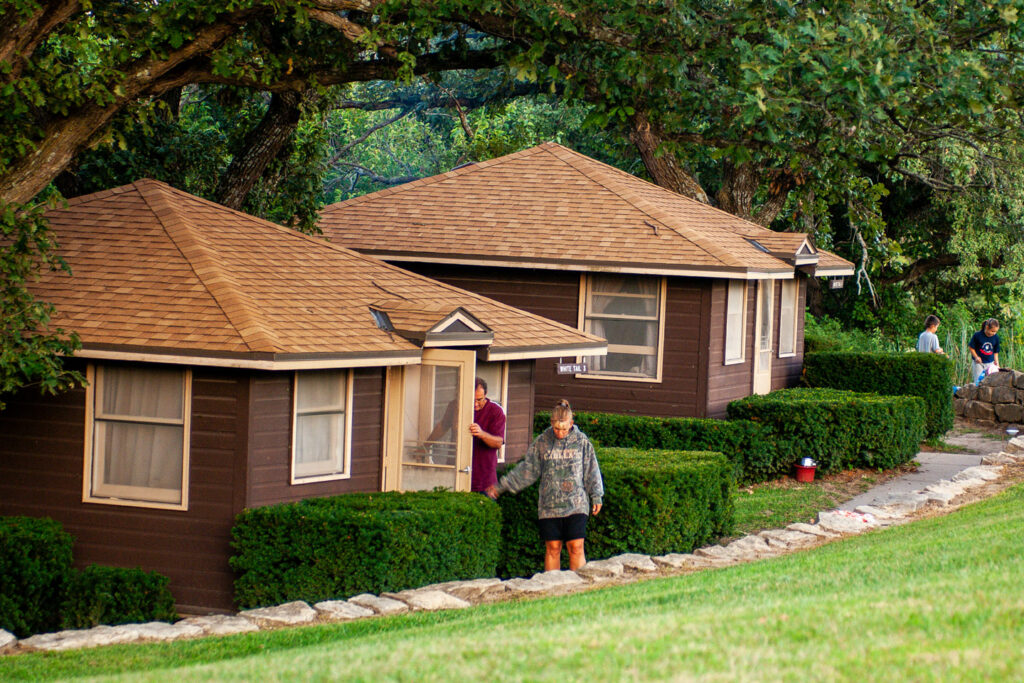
[271,424]
[728,382]
[555,295]
[519,411]
[41,464]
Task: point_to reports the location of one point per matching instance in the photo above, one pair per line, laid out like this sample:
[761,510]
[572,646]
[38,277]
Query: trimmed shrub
[35,562]
[927,375]
[748,445]
[656,502]
[328,548]
[114,595]
[839,429]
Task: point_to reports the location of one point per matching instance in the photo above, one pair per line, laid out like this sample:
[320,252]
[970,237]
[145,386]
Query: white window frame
[346,472]
[93,490]
[584,307]
[741,319]
[794,300]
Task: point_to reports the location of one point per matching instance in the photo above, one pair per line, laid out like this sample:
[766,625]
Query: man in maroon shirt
[488,430]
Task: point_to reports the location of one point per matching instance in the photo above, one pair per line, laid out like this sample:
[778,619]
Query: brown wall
[786,371]
[41,464]
[728,382]
[271,424]
[519,411]
[555,295]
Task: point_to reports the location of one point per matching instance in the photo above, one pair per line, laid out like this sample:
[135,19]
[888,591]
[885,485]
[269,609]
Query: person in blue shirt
[984,348]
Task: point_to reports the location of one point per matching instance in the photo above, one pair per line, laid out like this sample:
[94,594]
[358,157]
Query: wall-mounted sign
[571,368]
[835,283]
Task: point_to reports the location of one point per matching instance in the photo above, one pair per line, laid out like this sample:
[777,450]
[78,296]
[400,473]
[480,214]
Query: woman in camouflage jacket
[570,486]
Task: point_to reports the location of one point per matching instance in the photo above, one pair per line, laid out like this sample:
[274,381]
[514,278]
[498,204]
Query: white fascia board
[410,358]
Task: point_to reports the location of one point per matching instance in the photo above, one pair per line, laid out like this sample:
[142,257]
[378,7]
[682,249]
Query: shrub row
[40,591]
[927,375]
[747,445]
[336,547]
[838,429]
[656,502]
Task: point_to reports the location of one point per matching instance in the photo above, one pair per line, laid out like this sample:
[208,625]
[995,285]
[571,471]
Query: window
[496,376]
[735,322]
[788,318]
[322,426]
[136,440]
[628,311]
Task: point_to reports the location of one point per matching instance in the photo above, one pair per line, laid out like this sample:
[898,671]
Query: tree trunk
[261,146]
[740,185]
[665,169]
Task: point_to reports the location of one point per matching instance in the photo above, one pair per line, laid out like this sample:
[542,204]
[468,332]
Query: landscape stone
[984,394]
[471,589]
[845,522]
[7,640]
[160,631]
[678,560]
[78,639]
[999,459]
[787,538]
[1004,394]
[717,552]
[812,529]
[977,410]
[986,473]
[1009,412]
[289,614]
[545,582]
[959,406]
[380,605]
[1015,445]
[341,610]
[426,600]
[905,503]
[221,624]
[998,379]
[952,488]
[601,569]
[1018,379]
[754,546]
[635,562]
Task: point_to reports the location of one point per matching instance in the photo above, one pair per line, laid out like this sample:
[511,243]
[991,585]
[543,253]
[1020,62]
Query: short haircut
[990,323]
[481,383]
[931,320]
[561,412]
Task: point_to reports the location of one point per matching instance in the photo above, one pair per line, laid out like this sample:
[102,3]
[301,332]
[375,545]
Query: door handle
[466,469]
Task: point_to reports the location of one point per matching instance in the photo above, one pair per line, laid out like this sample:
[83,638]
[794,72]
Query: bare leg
[576,557]
[552,555]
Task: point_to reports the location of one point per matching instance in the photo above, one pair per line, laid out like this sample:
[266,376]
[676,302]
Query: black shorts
[563,528]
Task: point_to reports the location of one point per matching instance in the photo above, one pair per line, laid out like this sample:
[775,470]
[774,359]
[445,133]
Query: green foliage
[325,548]
[30,348]
[829,334]
[838,429]
[114,595]
[656,502]
[747,445]
[927,375]
[35,563]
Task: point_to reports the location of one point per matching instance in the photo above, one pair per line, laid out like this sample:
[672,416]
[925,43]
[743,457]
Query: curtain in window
[320,404]
[624,310]
[135,451]
[787,317]
[734,321]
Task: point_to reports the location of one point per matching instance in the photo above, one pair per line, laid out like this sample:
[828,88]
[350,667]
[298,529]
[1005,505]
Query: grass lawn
[939,599]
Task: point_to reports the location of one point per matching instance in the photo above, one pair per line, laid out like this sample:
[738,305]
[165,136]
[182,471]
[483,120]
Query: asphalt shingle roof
[157,270]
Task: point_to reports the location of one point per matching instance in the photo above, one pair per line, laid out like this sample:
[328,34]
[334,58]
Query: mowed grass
[940,599]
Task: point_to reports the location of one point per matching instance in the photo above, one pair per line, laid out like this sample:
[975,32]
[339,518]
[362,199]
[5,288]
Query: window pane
[142,392]
[765,333]
[619,284]
[603,304]
[320,390]
[627,332]
[492,374]
[734,331]
[142,455]
[626,363]
[320,441]
[787,317]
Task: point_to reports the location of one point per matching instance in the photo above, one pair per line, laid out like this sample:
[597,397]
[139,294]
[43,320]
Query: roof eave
[250,361]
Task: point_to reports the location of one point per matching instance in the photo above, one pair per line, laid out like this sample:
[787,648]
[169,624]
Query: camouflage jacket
[568,473]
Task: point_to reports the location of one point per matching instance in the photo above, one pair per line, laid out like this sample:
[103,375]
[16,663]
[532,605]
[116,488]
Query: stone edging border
[830,525]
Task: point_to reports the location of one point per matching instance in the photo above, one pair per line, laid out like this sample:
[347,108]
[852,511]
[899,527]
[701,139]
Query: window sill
[736,361]
[124,502]
[619,378]
[317,478]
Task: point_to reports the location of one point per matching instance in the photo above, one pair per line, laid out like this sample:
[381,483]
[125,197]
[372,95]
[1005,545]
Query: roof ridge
[615,185]
[439,177]
[236,306]
[99,194]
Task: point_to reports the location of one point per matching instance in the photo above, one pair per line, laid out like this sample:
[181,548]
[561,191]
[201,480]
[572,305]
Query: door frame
[762,379]
[394,417]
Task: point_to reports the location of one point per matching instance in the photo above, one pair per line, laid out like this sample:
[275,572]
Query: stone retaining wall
[998,399]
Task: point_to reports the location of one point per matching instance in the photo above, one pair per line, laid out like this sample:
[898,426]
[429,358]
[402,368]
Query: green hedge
[35,563]
[656,502]
[113,595]
[337,547]
[747,444]
[927,375]
[838,429]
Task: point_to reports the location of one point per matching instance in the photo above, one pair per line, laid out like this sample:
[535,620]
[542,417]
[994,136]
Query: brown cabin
[233,363]
[699,307]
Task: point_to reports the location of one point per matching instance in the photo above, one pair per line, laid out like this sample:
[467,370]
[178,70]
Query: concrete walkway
[934,467]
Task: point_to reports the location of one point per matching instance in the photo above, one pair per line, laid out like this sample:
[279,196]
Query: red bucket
[805,473]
